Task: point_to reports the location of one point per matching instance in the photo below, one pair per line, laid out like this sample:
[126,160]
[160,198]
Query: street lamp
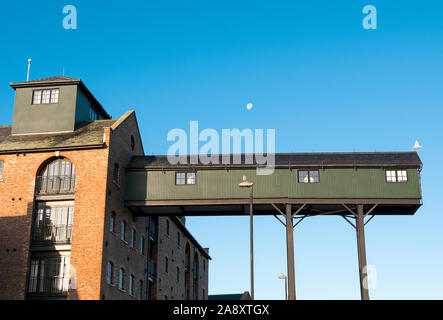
[247,184]
[282,276]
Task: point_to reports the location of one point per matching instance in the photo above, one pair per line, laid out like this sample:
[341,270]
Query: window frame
[110,273]
[112,222]
[121,279]
[186,178]
[309,176]
[51,94]
[131,285]
[396,175]
[123,225]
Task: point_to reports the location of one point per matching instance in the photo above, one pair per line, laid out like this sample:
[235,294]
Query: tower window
[45,96]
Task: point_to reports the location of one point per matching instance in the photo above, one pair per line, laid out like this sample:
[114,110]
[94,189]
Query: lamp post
[247,184]
[282,276]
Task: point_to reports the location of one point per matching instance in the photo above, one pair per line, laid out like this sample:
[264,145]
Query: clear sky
[313,74]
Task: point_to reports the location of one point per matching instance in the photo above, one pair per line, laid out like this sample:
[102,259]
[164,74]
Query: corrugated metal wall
[223,184]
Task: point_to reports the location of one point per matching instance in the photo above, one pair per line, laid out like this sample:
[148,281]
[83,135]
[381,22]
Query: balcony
[151,270]
[55,185]
[60,234]
[48,286]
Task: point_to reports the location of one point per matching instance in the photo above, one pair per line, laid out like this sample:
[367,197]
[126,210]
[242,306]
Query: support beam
[361,247]
[290,252]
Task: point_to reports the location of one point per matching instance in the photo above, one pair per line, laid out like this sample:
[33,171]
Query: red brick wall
[16,219]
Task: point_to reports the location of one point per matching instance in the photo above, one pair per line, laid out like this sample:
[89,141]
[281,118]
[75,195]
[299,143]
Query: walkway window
[166,264]
[308,176]
[167,227]
[396,176]
[182,178]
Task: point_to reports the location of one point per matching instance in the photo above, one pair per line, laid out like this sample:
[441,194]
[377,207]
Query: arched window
[56,176]
[121,279]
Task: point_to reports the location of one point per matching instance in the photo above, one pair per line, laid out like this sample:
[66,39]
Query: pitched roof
[354,159]
[87,136]
[56,79]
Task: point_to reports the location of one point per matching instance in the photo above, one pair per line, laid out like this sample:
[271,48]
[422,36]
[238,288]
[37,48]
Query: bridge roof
[354,159]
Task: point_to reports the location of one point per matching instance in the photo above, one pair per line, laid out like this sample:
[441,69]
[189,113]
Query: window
[93,115]
[396,176]
[121,279]
[2,165]
[182,178]
[177,270]
[133,233]
[115,175]
[49,275]
[132,143]
[142,245]
[110,272]
[123,230]
[167,227]
[166,264]
[45,96]
[308,176]
[204,265]
[112,222]
[140,290]
[56,176]
[178,238]
[131,284]
[53,223]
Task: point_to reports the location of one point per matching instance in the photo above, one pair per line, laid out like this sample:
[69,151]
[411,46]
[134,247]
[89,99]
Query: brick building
[64,230]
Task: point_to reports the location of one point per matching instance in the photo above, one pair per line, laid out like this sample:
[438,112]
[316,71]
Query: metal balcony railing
[53,234]
[55,184]
[48,285]
[151,269]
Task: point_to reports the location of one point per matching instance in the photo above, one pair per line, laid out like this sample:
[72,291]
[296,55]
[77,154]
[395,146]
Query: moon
[249,106]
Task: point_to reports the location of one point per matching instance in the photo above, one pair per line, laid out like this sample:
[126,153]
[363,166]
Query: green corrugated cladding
[35,118]
[223,184]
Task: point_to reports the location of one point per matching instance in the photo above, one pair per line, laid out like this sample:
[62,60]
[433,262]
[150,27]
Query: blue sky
[312,73]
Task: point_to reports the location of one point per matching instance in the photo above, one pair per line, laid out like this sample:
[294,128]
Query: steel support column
[361,247]
[290,252]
